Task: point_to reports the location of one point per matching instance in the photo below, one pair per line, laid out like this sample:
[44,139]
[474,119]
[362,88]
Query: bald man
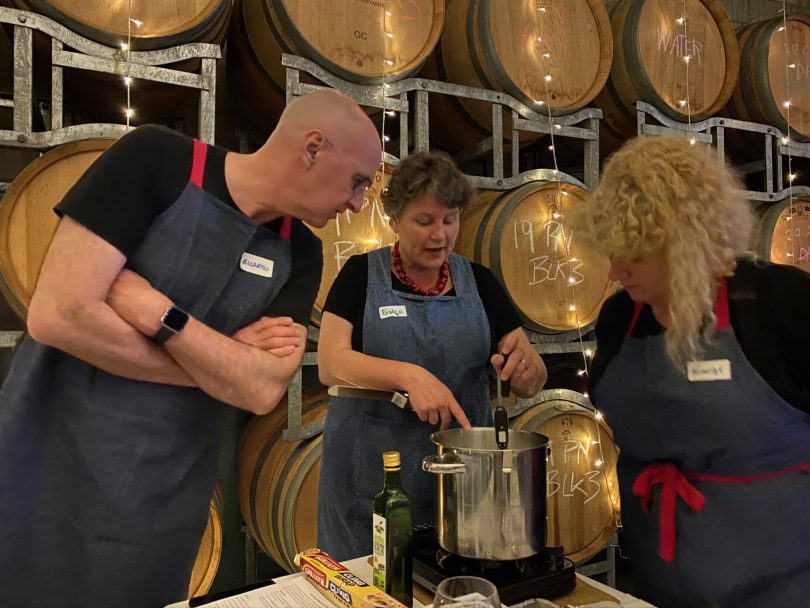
[178,283]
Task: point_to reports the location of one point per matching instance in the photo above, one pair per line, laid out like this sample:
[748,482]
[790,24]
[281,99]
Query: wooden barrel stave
[210,551]
[270,474]
[515,234]
[582,498]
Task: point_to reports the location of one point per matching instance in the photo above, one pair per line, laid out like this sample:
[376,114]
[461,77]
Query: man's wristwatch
[172,322]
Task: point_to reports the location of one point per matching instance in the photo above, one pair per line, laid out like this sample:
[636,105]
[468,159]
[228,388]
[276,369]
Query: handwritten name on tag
[256,265]
[392,311]
[708,371]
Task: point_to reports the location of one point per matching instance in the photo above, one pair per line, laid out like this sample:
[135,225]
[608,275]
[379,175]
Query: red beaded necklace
[444,275]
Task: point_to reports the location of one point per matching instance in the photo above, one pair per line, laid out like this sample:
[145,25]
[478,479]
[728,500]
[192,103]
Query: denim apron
[447,335]
[105,482]
[714,477]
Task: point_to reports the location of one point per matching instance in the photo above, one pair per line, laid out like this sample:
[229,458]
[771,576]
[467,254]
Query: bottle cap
[391,460]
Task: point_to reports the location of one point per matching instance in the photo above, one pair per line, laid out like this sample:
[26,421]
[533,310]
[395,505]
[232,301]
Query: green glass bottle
[391,534]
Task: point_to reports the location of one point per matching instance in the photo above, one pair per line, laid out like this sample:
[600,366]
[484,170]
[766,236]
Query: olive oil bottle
[391,534]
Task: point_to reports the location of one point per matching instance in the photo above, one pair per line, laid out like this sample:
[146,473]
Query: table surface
[587,590]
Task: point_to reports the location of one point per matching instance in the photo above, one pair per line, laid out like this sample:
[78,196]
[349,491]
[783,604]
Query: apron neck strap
[198,162]
[721,311]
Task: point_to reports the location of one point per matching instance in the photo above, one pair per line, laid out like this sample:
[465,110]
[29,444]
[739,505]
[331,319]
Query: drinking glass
[466,592]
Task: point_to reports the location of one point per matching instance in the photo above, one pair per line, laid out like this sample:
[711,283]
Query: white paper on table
[293,593]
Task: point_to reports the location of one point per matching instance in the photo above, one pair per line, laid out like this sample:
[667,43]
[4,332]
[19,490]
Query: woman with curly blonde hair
[701,373]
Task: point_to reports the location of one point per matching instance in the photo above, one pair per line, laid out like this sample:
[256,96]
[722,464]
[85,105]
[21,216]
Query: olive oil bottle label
[378,536]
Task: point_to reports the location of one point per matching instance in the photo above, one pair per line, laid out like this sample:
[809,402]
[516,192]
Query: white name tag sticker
[256,265]
[708,371]
[392,311]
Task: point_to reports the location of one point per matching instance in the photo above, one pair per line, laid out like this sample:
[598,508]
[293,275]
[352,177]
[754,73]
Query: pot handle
[445,464]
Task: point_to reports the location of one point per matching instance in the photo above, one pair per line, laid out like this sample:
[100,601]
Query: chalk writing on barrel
[679,45]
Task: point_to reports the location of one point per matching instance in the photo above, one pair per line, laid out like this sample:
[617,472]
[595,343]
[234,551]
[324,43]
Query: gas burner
[546,575]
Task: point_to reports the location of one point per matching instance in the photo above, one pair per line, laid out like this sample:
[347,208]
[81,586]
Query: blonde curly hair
[662,194]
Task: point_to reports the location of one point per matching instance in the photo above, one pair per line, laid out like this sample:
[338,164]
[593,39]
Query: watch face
[175,319]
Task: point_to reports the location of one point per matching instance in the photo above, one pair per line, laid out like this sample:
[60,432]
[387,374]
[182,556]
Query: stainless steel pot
[490,503]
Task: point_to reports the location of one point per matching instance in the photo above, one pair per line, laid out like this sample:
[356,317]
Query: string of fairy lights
[129,112]
[545,60]
[786,141]
[686,103]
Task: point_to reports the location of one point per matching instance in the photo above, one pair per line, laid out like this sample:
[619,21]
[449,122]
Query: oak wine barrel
[277,481]
[162,24]
[351,234]
[208,555]
[649,64]
[348,38]
[766,48]
[27,219]
[582,486]
[96,96]
[511,47]
[521,235]
[782,233]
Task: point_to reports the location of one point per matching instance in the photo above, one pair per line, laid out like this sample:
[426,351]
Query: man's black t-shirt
[144,173]
[768,308]
[347,299]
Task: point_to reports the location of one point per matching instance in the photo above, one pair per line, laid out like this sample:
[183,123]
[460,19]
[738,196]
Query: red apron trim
[720,309]
[637,307]
[286,228]
[675,483]
[198,162]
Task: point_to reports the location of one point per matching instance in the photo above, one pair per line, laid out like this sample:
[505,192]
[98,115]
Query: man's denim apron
[105,482]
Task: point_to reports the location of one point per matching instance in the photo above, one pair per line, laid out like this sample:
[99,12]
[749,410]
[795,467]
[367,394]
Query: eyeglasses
[360,181]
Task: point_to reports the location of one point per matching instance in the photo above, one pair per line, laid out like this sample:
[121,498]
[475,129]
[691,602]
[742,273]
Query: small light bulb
[136,22]
[390,113]
[127,80]
[785,141]
[539,39]
[571,280]
[598,414]
[572,308]
[542,9]
[546,55]
[574,260]
[792,176]
[386,86]
[682,102]
[386,138]
[556,216]
[540,102]
[599,463]
[388,62]
[548,77]
[581,372]
[565,194]
[124,46]
[551,147]
[692,141]
[687,58]
[389,34]
[790,255]
[558,126]
[781,29]
[786,103]
[594,442]
[792,66]
[680,20]
[129,112]
[588,352]
[388,13]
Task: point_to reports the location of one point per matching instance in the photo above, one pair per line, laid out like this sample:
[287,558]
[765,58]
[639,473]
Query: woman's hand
[280,336]
[518,362]
[433,402]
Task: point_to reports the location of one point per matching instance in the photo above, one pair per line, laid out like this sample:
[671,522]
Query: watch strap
[163,334]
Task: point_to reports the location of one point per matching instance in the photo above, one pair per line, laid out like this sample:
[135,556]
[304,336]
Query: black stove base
[547,575]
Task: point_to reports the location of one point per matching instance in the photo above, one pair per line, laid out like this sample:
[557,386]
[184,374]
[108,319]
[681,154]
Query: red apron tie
[674,484]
